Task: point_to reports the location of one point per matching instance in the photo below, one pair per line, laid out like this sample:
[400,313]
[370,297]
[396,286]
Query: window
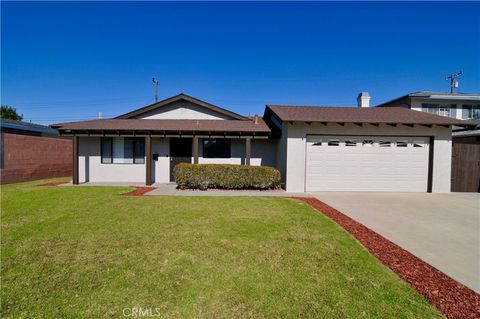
[402,143]
[216,148]
[443,110]
[384,143]
[430,108]
[333,142]
[123,150]
[350,143]
[470,112]
[367,143]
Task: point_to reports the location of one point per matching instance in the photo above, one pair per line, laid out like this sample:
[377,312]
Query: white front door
[367,163]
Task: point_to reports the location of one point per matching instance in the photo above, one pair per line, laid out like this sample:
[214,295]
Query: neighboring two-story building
[460,106]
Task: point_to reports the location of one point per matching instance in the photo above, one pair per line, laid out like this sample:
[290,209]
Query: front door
[180,152]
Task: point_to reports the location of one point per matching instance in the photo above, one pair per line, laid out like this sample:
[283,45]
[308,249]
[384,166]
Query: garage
[367,163]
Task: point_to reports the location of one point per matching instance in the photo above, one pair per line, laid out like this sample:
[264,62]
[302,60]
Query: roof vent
[363,99]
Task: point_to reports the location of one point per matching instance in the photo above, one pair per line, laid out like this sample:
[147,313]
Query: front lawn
[88,252]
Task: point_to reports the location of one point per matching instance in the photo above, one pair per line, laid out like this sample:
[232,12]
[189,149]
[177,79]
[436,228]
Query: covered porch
[141,156]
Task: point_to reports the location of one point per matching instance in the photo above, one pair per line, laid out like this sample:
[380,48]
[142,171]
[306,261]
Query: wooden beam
[148,160]
[75,160]
[341,124]
[248,150]
[195,150]
[358,124]
[375,124]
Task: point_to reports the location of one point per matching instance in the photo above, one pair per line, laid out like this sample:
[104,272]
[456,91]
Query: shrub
[225,176]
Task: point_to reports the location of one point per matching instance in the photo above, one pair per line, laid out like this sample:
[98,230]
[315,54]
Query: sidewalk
[171,190]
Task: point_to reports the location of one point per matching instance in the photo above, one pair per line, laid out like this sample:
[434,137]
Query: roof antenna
[453,81]
[155,83]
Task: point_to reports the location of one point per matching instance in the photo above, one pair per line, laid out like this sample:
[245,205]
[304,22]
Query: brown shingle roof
[393,115]
[164,125]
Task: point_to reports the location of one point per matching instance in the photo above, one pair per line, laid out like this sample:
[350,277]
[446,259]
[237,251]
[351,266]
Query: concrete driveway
[441,229]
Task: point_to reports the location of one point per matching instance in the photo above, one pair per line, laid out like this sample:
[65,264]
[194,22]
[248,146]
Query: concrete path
[441,229]
[171,190]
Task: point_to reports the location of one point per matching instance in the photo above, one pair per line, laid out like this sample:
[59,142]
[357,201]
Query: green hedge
[225,176]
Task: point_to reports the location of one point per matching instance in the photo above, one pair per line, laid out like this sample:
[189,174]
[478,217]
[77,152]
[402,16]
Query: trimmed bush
[225,176]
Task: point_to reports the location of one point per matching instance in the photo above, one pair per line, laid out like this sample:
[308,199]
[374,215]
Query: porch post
[195,150]
[75,159]
[148,160]
[248,150]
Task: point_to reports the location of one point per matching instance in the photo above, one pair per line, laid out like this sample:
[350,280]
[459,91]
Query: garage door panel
[367,163]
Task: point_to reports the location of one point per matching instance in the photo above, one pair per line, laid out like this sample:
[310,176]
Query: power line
[90,100]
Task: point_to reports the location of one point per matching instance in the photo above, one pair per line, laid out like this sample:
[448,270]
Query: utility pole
[453,81]
[155,83]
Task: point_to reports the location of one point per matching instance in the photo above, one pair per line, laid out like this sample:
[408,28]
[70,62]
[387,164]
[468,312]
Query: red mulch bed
[139,191]
[54,183]
[453,299]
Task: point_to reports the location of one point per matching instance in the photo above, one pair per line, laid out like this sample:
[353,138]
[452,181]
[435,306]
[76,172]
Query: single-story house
[315,148]
[31,151]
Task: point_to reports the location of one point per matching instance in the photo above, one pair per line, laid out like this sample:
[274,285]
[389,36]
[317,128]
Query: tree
[10,113]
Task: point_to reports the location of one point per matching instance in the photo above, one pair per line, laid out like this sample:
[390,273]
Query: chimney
[256,119]
[363,99]
[100,115]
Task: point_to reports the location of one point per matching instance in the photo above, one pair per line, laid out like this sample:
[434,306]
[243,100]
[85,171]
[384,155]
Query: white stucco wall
[296,149]
[281,153]
[92,170]
[184,110]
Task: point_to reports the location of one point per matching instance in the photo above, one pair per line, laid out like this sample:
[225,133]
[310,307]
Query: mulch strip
[139,191]
[453,299]
[54,183]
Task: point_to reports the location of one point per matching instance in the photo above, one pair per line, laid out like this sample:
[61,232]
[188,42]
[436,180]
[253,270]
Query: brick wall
[34,157]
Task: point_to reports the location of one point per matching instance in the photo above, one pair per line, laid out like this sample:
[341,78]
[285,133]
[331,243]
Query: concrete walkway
[171,190]
[441,229]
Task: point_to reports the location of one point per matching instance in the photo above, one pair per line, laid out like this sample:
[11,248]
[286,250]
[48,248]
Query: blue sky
[66,61]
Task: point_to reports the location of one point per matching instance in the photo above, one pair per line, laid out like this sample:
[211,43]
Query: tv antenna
[155,83]
[453,81]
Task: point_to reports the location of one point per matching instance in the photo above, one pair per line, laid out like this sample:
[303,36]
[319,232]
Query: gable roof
[179,97]
[435,96]
[373,115]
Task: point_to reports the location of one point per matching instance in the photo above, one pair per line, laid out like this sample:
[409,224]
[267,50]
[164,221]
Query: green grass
[88,252]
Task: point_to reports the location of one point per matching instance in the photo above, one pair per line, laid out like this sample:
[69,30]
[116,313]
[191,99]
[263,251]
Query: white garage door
[367,163]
